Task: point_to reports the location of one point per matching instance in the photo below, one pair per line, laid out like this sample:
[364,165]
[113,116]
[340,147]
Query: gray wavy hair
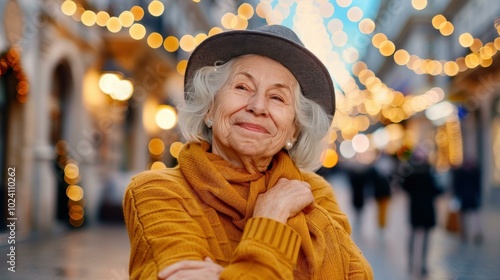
[311,119]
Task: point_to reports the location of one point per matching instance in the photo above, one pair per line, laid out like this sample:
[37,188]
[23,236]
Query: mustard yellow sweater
[203,207]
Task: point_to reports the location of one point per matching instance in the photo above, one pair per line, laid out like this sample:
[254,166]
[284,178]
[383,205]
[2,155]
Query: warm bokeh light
[366,26]
[155,40]
[438,20]
[214,31]
[181,66]
[419,4]
[451,68]
[380,138]
[346,149]
[344,3]
[446,28]
[166,117]
[360,143]
[71,171]
[68,7]
[387,48]
[438,113]
[122,90]
[156,146]
[246,10]
[226,20]
[137,31]
[138,12]
[465,40]
[378,39]
[496,43]
[127,18]
[187,43]
[326,10]
[263,9]
[158,165]
[355,14]
[156,8]
[401,57]
[239,23]
[171,44]
[88,18]
[199,38]
[114,25]
[350,55]
[339,38]
[107,82]
[102,18]
[149,116]
[175,149]
[74,192]
[476,45]
[330,158]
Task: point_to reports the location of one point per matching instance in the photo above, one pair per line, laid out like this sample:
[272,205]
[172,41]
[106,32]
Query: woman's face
[254,111]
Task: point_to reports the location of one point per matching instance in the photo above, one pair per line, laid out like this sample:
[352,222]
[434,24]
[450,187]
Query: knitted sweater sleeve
[325,197]
[161,230]
[268,250]
[355,264]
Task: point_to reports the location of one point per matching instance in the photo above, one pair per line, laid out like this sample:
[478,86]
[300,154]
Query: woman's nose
[257,104]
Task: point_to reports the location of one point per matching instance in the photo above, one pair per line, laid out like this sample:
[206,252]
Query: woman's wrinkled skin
[253,113]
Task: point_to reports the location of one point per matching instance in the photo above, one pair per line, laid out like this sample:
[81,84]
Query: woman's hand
[285,200]
[194,270]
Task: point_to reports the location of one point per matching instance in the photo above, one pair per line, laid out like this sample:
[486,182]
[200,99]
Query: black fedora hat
[277,42]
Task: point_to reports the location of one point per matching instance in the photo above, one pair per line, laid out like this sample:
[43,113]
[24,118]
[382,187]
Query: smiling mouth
[252,127]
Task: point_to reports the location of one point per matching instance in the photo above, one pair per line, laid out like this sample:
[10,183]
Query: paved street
[102,252]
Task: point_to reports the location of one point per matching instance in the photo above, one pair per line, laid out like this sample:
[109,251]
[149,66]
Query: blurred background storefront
[443,58]
[88,90]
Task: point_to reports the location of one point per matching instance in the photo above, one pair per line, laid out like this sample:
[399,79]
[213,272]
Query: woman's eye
[241,87]
[278,98]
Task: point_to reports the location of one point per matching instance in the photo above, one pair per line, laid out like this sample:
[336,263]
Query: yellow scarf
[213,178]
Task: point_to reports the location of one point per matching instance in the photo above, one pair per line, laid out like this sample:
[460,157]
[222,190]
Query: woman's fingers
[285,200]
[191,269]
[178,266]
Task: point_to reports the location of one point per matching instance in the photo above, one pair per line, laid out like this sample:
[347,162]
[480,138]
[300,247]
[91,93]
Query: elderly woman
[243,202]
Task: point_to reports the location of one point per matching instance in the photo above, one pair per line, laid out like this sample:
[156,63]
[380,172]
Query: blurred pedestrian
[381,171]
[467,190]
[358,179]
[422,189]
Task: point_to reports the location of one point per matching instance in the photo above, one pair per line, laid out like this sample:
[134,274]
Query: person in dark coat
[381,172]
[358,179]
[382,195]
[467,189]
[422,190]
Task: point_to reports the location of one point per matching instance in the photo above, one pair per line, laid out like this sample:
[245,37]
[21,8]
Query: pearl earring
[210,123]
[288,145]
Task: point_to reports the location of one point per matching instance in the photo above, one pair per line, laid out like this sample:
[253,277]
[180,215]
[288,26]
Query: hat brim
[312,75]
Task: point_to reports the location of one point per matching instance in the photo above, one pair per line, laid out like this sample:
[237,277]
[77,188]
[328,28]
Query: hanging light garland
[357,109]
[480,55]
[273,15]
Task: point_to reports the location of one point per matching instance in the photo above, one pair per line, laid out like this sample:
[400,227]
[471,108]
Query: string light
[10,62]
[356,106]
